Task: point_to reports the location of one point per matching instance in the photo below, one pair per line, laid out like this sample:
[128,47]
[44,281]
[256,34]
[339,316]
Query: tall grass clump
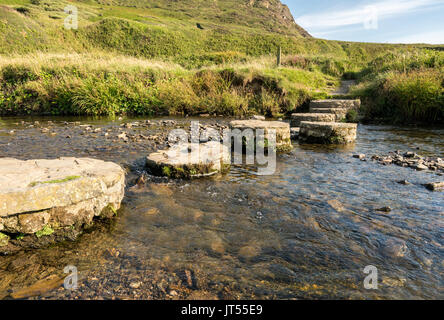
[416,96]
[108,84]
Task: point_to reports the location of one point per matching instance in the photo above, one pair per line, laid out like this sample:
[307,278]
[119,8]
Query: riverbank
[397,87]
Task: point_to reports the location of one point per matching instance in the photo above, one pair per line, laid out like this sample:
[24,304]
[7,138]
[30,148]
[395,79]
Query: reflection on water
[306,232]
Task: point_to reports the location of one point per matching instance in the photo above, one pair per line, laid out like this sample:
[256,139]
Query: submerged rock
[42,196]
[190,160]
[328,132]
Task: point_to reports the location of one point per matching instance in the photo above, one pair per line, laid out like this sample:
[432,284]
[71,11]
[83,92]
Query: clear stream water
[306,232]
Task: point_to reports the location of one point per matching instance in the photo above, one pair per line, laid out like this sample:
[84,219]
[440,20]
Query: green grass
[404,87]
[150,58]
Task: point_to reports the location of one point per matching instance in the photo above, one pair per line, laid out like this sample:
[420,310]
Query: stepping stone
[283,137]
[258,117]
[335,103]
[294,133]
[67,192]
[297,118]
[340,113]
[190,160]
[328,132]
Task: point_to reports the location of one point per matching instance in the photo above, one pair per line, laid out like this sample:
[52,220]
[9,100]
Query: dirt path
[344,88]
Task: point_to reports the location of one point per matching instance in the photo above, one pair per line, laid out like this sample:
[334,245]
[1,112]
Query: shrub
[417,96]
[15,74]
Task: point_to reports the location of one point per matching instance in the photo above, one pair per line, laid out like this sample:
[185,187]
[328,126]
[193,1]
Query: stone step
[283,137]
[327,132]
[37,194]
[297,118]
[190,160]
[335,103]
[340,113]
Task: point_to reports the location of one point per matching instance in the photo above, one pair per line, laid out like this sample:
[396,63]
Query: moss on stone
[4,239]
[46,231]
[185,171]
[284,148]
[69,178]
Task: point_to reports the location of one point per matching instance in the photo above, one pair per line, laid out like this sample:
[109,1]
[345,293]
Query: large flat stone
[190,160]
[297,118]
[62,192]
[340,113]
[328,132]
[283,136]
[336,103]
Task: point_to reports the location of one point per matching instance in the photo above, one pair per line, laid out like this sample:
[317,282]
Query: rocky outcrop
[282,129]
[328,132]
[40,196]
[190,160]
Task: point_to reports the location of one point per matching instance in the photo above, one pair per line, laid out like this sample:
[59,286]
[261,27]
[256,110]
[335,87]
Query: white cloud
[358,15]
[434,37]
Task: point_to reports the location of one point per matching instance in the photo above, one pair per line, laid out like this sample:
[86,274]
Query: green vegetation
[70,178]
[192,57]
[4,239]
[46,231]
[404,87]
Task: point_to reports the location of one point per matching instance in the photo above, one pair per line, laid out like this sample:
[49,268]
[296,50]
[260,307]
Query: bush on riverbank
[417,96]
[404,87]
[109,85]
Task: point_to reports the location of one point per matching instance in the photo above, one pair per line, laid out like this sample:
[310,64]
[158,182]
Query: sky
[385,21]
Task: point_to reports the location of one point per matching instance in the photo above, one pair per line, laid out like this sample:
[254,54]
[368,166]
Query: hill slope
[268,15]
[148,28]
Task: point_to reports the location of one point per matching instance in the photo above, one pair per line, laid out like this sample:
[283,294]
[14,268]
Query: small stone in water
[404,182]
[421,167]
[384,209]
[359,156]
[434,186]
[135,285]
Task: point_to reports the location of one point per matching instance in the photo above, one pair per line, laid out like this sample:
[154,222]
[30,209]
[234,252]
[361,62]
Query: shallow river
[308,231]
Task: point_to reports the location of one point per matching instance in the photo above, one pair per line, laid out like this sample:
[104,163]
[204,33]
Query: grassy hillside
[196,56]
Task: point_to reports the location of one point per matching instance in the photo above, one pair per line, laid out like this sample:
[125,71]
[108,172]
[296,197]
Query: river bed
[308,231]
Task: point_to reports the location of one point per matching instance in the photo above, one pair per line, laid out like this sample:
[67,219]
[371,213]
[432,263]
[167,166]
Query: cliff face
[280,15]
[268,15]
